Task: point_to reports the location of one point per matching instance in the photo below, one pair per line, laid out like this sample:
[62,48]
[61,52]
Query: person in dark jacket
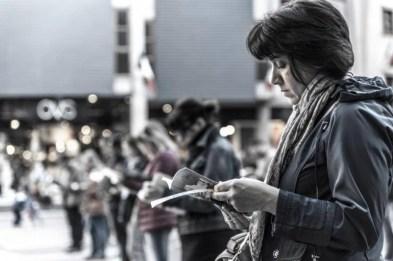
[120,204]
[203,231]
[71,182]
[326,189]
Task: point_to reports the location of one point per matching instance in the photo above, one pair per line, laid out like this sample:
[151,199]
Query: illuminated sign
[59,110]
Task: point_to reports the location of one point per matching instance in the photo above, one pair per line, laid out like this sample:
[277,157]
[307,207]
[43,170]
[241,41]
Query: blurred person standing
[157,223]
[38,181]
[19,184]
[202,229]
[100,180]
[70,181]
[98,222]
[133,181]
[118,196]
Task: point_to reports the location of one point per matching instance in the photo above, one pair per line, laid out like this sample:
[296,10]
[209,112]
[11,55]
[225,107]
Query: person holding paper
[203,231]
[326,190]
[156,223]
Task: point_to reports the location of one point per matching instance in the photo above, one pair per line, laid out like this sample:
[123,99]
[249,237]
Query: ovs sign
[59,110]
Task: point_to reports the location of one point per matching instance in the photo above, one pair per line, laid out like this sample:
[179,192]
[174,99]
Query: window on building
[122,41]
[389,80]
[387,21]
[122,63]
[149,47]
[122,38]
[122,18]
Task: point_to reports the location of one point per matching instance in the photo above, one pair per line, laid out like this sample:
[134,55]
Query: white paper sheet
[159,201]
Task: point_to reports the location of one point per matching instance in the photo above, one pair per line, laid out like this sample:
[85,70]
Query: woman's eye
[279,64]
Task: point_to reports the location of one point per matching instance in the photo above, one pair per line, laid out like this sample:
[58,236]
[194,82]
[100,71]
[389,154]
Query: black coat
[334,192]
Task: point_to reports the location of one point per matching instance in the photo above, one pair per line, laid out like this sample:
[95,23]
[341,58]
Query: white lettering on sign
[59,110]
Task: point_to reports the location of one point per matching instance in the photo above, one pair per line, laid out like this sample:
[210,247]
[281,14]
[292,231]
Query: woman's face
[283,77]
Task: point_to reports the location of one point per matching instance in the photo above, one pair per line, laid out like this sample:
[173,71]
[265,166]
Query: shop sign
[48,109]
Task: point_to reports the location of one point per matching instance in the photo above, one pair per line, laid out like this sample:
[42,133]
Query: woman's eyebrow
[277,60]
[274,56]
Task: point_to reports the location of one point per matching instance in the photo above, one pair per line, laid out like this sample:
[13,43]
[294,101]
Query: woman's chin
[292,99]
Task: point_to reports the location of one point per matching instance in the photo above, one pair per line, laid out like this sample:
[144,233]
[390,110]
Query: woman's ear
[304,71]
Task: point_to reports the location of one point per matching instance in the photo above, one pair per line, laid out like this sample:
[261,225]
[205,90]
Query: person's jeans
[156,244]
[121,211]
[99,230]
[17,209]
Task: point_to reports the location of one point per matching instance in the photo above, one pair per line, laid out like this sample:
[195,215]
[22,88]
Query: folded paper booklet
[186,182]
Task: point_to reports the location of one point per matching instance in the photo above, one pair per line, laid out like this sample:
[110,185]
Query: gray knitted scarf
[300,124]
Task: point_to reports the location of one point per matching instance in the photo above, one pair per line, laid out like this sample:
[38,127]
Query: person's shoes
[95,257]
[124,258]
[101,256]
[72,249]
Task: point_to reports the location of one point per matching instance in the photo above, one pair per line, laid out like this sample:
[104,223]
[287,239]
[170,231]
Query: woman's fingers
[223,191]
[223,186]
[221,196]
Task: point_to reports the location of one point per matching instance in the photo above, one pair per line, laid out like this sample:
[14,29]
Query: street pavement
[45,240]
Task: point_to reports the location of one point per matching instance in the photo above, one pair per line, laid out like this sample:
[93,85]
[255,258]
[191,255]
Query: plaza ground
[44,241]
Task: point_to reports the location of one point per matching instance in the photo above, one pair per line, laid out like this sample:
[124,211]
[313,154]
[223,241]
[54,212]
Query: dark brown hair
[312,33]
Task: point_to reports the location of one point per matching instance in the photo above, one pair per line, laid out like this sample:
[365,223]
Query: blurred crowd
[107,188]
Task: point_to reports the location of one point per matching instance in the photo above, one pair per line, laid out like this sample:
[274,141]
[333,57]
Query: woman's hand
[150,192]
[247,195]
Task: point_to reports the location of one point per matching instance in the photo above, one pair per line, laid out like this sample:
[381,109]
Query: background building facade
[117,63]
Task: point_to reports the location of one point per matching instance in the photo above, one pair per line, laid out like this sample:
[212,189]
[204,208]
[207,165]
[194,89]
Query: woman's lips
[286,93]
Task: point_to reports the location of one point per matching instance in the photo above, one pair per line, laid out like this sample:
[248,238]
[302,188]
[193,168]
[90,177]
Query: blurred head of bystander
[190,118]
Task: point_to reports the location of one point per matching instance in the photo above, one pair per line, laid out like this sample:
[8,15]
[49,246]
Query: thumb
[223,186]
[220,196]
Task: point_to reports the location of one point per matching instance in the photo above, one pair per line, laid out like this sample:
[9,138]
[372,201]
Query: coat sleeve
[358,154]
[222,163]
